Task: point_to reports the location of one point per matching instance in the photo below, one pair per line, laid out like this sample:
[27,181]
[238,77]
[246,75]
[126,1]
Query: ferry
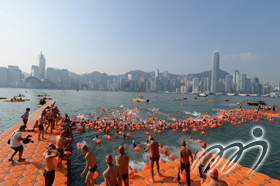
[242,94]
[253,95]
[231,94]
[202,95]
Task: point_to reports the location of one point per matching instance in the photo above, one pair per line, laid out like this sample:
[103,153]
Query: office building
[248,86]
[215,72]
[228,83]
[242,83]
[42,65]
[14,75]
[3,76]
[35,71]
[195,85]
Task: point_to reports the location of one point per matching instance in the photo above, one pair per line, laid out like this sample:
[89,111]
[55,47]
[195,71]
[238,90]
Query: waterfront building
[165,74]
[215,72]
[228,83]
[42,65]
[242,83]
[248,86]
[3,76]
[14,75]
[235,76]
[35,71]
[195,85]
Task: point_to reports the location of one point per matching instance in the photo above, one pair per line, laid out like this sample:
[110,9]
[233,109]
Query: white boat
[242,94]
[202,95]
[218,94]
[231,94]
[253,94]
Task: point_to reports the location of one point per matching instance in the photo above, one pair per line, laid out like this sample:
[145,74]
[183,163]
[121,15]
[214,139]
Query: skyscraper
[235,76]
[195,85]
[35,71]
[42,65]
[228,83]
[215,72]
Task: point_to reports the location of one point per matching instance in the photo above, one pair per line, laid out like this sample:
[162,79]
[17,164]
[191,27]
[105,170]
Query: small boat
[140,100]
[77,90]
[211,100]
[202,95]
[39,105]
[184,98]
[252,102]
[195,98]
[226,99]
[2,98]
[14,100]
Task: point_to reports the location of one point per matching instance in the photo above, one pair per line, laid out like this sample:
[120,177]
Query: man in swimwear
[122,161]
[184,162]
[25,116]
[90,165]
[154,156]
[48,157]
[213,175]
[112,173]
[60,144]
[204,161]
[41,122]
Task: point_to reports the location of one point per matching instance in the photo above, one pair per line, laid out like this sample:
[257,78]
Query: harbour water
[86,102]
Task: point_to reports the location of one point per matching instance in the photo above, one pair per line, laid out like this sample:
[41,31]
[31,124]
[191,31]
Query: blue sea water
[86,102]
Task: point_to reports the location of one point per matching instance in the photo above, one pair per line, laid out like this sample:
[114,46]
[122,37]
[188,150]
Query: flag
[140,95]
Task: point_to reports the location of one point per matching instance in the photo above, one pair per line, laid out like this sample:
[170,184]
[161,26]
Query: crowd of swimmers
[115,174]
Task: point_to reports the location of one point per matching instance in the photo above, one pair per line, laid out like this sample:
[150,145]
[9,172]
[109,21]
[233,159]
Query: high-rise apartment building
[242,83]
[42,65]
[35,71]
[228,83]
[215,72]
[3,76]
[195,85]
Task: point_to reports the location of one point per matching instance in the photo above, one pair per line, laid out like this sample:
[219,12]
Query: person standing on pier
[154,156]
[90,165]
[122,161]
[112,173]
[48,157]
[184,162]
[16,144]
[25,116]
[41,122]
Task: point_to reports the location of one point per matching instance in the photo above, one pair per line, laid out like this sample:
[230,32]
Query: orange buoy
[183,176]
[80,114]
[199,141]
[120,132]
[171,155]
[128,134]
[146,166]
[95,175]
[131,174]
[161,160]
[148,133]
[184,130]
[74,127]
[80,128]
[137,148]
[109,137]
[164,148]
[98,141]
[36,129]
[57,132]
[202,132]
[55,161]
[79,145]
[67,153]
[195,129]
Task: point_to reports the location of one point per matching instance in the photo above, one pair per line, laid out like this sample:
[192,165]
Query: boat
[231,94]
[2,98]
[202,95]
[184,98]
[211,100]
[39,105]
[195,98]
[253,94]
[219,94]
[14,100]
[76,90]
[226,99]
[253,102]
[242,94]
[140,100]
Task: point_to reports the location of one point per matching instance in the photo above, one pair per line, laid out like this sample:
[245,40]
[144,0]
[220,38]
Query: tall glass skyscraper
[42,65]
[215,72]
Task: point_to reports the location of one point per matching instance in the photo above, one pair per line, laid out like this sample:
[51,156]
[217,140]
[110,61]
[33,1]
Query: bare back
[122,161]
[59,142]
[185,154]
[90,159]
[111,174]
[48,159]
[204,157]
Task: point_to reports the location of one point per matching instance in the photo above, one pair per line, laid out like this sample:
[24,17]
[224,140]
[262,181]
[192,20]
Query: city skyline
[116,37]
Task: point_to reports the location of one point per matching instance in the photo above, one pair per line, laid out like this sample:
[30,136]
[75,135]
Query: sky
[116,36]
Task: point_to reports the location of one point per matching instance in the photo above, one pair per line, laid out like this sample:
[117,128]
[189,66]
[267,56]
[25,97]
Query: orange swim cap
[84,147]
[151,137]
[121,148]
[183,143]
[109,158]
[190,137]
[213,173]
[203,144]
[51,146]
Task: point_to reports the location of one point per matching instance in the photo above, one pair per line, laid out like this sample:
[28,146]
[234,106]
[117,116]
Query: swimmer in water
[112,173]
[147,142]
[123,135]
[116,133]
[160,131]
[190,138]
[133,144]
[90,165]
[96,138]
[106,135]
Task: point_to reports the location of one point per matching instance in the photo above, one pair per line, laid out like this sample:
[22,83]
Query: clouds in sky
[243,56]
